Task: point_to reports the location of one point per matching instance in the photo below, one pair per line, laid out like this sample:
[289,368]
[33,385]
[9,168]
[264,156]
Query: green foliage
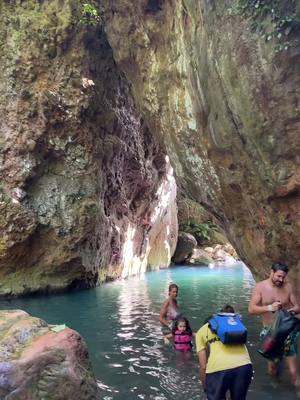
[273,20]
[201,232]
[89,15]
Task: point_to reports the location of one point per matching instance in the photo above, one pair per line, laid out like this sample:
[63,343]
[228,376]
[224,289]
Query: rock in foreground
[37,363]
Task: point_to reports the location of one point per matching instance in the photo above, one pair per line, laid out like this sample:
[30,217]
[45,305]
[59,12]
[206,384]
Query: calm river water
[119,322]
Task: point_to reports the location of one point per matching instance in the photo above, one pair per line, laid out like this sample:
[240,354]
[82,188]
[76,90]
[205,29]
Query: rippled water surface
[119,322]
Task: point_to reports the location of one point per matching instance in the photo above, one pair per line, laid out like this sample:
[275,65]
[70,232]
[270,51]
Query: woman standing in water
[169,310]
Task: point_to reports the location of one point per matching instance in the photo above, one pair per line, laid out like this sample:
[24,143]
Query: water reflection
[145,369]
[145,360]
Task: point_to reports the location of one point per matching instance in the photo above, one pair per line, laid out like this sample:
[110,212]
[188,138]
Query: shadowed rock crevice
[154,5]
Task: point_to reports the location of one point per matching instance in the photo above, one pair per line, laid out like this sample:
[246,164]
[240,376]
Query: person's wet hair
[228,309]
[173,286]
[278,266]
[187,325]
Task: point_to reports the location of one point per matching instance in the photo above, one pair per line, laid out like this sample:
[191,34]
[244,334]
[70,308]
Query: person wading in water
[223,367]
[271,295]
[169,309]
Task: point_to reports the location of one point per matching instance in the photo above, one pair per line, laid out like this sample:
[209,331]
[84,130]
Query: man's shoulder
[289,287]
[262,284]
[288,284]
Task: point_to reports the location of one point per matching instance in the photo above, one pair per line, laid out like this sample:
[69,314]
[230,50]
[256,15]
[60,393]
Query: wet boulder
[185,246]
[37,362]
[200,257]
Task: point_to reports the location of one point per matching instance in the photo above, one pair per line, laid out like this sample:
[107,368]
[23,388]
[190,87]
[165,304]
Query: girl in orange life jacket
[181,335]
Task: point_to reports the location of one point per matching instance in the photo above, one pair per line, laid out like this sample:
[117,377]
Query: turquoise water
[119,322]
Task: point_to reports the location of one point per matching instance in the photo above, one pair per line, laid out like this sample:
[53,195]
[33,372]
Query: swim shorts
[234,380]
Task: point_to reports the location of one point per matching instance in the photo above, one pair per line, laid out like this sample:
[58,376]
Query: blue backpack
[229,328]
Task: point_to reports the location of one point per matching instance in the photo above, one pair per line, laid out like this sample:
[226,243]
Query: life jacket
[228,327]
[182,341]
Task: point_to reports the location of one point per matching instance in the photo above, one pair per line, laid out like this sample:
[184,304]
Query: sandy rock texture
[224,100]
[36,363]
[85,189]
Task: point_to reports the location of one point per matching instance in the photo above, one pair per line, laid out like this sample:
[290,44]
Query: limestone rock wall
[89,115]
[80,171]
[225,102]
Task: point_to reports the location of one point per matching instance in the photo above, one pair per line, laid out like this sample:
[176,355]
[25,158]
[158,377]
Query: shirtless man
[269,296]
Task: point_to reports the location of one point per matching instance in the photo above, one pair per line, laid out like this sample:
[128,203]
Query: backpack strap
[216,339]
[209,341]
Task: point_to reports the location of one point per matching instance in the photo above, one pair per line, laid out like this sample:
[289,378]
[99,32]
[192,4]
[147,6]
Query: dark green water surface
[119,322]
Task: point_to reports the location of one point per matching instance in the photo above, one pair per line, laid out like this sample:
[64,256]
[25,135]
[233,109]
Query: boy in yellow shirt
[223,367]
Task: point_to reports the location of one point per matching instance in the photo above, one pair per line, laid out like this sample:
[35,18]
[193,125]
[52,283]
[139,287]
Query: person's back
[222,356]
[223,367]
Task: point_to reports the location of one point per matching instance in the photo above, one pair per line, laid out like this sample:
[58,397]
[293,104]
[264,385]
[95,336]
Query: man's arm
[255,306]
[295,302]
[202,356]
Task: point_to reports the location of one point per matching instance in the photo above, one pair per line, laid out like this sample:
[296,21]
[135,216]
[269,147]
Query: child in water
[181,335]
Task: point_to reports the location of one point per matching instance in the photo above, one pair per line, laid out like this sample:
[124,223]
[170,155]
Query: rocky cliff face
[87,193]
[219,82]
[85,189]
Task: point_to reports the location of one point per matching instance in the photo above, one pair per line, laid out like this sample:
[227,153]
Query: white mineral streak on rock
[163,235]
[160,240]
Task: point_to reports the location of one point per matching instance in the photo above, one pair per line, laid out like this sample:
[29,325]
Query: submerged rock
[37,363]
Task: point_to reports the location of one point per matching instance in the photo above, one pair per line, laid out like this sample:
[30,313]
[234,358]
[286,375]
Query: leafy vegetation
[89,15]
[201,232]
[271,19]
